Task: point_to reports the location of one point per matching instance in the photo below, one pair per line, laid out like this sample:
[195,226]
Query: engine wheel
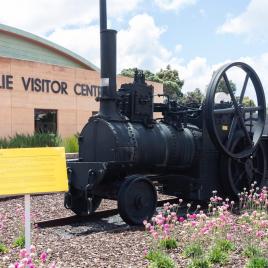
[238,174]
[81,206]
[137,200]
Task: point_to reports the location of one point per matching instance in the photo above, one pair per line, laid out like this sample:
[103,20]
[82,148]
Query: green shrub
[199,263]
[159,259]
[252,251]
[193,251]
[168,243]
[71,144]
[29,141]
[217,256]
[3,248]
[257,262]
[20,241]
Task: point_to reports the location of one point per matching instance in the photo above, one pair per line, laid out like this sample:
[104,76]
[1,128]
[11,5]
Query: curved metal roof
[19,44]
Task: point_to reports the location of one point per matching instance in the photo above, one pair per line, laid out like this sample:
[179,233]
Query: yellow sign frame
[33,171]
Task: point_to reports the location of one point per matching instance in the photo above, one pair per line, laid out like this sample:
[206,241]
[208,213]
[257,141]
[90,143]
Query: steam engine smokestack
[108,66]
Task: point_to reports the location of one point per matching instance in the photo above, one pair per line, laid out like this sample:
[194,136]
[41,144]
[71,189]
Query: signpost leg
[27,206]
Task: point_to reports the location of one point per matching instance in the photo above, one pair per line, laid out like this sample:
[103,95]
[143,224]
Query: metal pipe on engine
[108,66]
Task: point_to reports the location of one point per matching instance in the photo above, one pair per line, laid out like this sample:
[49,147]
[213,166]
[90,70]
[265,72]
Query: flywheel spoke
[252,109]
[232,131]
[244,89]
[239,114]
[226,80]
[224,111]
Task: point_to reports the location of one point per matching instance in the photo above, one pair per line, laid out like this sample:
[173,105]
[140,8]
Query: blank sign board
[32,170]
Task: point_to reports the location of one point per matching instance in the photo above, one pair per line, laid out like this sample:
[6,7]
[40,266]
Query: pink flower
[260,234]
[151,229]
[173,214]
[166,231]
[145,252]
[23,253]
[193,216]
[24,261]
[166,226]
[155,235]
[43,256]
[32,249]
[229,236]
[193,223]
[148,225]
[181,219]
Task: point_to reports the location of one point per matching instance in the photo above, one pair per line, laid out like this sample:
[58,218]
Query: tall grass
[40,140]
[29,141]
[71,144]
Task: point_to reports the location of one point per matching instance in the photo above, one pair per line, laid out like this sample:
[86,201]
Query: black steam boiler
[125,154]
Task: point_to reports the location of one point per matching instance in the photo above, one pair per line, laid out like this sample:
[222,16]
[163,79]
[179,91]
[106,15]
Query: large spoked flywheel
[232,107]
[137,199]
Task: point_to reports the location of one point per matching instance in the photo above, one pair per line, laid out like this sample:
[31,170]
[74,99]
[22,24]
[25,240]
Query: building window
[45,121]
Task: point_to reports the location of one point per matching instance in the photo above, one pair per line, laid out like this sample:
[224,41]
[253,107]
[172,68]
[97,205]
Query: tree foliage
[223,88]
[129,72]
[193,98]
[248,102]
[172,84]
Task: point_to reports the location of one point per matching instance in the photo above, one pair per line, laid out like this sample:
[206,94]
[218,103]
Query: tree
[193,98]
[129,72]
[172,84]
[248,102]
[223,88]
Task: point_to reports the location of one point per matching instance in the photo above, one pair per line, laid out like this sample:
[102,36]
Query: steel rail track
[95,216]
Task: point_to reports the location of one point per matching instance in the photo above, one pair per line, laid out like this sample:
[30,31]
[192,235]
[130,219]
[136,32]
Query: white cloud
[85,41]
[174,4]
[197,73]
[139,45]
[253,22]
[43,16]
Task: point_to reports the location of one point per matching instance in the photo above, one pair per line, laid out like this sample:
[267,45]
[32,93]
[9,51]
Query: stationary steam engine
[125,154]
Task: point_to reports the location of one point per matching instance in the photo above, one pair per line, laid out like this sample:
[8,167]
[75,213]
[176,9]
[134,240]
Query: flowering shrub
[31,259]
[26,259]
[216,236]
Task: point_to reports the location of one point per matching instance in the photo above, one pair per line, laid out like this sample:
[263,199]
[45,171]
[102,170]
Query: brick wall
[17,105]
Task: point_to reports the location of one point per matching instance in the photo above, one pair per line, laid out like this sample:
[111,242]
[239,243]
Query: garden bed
[216,239]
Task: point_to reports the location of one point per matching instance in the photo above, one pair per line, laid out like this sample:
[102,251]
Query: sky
[194,36]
